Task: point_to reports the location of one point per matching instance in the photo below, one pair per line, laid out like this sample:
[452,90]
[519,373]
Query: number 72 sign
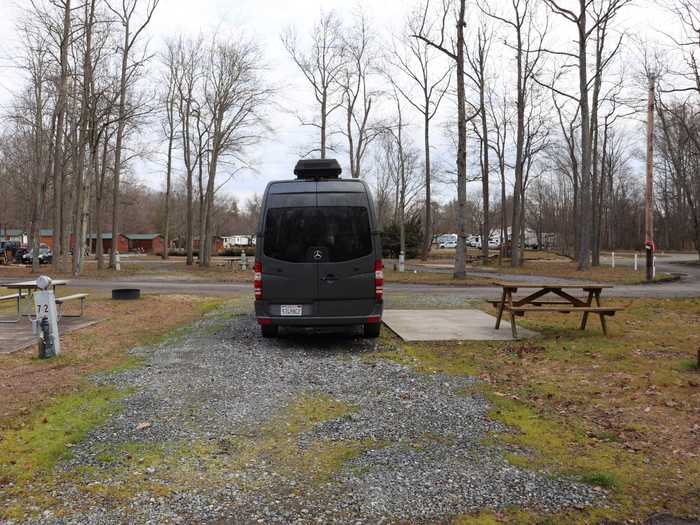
[45,307]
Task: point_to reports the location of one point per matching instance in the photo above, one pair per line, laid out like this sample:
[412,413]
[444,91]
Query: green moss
[605,480]
[34,448]
[129,362]
[483,518]
[160,468]
[688,365]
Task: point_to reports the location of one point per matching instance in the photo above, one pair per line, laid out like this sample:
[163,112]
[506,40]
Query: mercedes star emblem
[318,255]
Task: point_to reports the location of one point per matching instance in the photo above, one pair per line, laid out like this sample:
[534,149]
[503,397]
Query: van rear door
[290,273]
[346,270]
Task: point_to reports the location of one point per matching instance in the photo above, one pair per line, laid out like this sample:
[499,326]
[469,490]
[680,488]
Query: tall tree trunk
[168,175]
[324,105]
[519,161]
[486,225]
[460,256]
[83,140]
[100,173]
[428,233]
[121,122]
[586,197]
[504,213]
[58,167]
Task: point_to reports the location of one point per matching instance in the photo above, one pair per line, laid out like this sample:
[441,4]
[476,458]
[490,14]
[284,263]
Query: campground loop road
[687,286]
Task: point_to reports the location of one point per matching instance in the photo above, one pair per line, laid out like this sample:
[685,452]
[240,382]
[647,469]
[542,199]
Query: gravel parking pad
[223,426]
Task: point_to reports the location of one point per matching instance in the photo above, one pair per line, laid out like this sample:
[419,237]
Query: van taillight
[379,279]
[257,283]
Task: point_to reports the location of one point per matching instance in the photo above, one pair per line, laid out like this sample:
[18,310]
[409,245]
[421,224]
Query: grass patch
[30,450]
[620,413]
[160,469]
[35,447]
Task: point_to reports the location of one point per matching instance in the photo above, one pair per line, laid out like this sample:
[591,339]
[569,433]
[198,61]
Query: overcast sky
[265,20]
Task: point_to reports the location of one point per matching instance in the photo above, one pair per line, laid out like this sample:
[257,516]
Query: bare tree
[36,64]
[189,77]
[125,12]
[235,97]
[599,14]
[501,120]
[477,59]
[358,98]
[414,59]
[58,153]
[82,183]
[456,54]
[529,37]
[322,67]
[170,62]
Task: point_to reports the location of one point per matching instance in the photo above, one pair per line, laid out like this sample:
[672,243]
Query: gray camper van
[318,255]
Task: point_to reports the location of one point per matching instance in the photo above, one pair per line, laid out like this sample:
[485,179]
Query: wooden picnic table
[564,303]
[30,287]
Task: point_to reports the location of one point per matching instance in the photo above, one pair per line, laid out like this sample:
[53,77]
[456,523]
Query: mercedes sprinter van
[318,257]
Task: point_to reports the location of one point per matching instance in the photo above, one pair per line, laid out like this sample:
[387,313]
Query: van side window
[342,231]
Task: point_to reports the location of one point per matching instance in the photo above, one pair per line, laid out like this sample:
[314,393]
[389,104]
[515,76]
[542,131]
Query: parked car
[318,258]
[45,255]
[19,254]
[448,245]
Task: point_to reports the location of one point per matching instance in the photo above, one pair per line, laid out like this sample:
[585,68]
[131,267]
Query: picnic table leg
[513,328]
[602,315]
[584,319]
[500,309]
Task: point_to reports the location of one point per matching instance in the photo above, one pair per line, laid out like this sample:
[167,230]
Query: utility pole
[649,199]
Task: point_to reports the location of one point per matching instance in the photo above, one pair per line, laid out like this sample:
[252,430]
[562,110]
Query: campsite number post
[46,317]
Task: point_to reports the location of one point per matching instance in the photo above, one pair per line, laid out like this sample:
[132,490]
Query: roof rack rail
[317,169]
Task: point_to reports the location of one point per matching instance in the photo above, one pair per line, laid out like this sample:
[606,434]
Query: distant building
[122,243]
[12,235]
[217,244]
[152,243]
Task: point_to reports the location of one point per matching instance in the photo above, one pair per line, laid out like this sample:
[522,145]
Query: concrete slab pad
[18,336]
[449,325]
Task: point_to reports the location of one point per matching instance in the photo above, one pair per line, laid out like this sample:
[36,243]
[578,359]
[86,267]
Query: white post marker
[45,304]
[402,261]
[653,268]
[117,262]
[244,261]
[636,264]
[613,259]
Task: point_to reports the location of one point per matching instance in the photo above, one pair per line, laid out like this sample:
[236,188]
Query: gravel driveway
[222,426]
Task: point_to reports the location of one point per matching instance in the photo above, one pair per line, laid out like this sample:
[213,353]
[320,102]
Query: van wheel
[269,330]
[372,330]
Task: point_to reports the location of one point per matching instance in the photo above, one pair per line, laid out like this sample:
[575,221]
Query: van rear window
[342,232]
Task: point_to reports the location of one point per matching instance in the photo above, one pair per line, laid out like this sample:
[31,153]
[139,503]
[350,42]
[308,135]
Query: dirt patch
[27,381]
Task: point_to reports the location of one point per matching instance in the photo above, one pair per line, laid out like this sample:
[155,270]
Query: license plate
[290,310]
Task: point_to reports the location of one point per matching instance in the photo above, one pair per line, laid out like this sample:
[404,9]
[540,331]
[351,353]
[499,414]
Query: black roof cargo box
[317,169]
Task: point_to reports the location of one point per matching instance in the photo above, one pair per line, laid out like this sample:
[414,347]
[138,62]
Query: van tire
[372,330]
[269,330]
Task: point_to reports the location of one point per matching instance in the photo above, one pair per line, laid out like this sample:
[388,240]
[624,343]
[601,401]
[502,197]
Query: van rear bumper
[319,321]
[371,313]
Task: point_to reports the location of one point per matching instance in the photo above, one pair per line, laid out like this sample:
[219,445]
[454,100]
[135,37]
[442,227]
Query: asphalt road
[687,286]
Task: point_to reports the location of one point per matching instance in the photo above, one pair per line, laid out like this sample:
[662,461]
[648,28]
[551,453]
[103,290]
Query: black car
[318,252]
[45,255]
[8,246]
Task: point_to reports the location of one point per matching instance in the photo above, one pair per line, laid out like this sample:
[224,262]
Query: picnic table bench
[26,288]
[564,303]
[13,297]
